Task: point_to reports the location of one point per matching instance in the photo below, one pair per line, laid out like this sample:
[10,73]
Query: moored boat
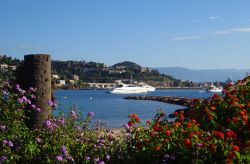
[128,89]
[214,89]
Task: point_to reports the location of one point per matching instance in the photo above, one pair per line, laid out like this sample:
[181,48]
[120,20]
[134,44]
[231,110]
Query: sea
[113,109]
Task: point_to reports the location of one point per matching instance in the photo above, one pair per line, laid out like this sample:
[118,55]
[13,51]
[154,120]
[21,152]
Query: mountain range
[204,75]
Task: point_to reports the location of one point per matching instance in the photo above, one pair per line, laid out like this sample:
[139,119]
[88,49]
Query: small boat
[128,89]
[148,87]
[214,89]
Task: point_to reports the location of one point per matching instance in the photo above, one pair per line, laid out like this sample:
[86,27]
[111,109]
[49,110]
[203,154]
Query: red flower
[230,133]
[157,148]
[148,122]
[189,125]
[130,123]
[139,145]
[231,155]
[175,114]
[219,134]
[190,135]
[187,142]
[235,119]
[213,147]
[157,127]
[137,119]
[168,132]
[193,121]
[235,148]
[152,134]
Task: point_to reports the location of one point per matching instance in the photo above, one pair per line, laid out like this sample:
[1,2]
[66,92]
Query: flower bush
[213,131]
[66,138]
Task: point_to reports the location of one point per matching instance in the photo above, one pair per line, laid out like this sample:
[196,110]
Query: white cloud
[213,17]
[180,38]
[194,20]
[24,46]
[241,29]
[225,32]
[233,30]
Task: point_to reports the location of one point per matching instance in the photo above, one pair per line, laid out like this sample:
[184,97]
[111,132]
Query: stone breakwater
[183,101]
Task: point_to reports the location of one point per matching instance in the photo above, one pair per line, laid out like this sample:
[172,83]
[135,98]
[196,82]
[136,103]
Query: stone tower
[36,72]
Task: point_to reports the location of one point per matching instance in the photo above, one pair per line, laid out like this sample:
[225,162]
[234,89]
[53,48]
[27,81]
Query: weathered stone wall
[36,72]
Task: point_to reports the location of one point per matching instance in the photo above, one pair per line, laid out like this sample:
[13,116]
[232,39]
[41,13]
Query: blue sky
[156,33]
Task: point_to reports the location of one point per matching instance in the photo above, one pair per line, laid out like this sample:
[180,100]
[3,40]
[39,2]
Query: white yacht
[128,89]
[214,89]
[148,88]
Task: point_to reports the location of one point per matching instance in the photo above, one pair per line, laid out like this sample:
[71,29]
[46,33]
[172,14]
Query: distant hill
[204,75]
[128,64]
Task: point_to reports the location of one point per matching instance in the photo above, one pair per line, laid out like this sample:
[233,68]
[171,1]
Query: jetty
[183,101]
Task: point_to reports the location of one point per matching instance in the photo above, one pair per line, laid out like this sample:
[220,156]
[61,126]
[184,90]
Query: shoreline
[161,88]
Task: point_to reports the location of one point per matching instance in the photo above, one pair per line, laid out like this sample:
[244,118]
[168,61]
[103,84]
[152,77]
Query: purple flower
[2,159]
[77,127]
[61,121]
[3,127]
[38,140]
[17,86]
[5,93]
[101,162]
[199,145]
[33,106]
[59,158]
[64,150]
[38,109]
[5,142]
[73,114]
[97,159]
[32,89]
[48,123]
[20,100]
[10,144]
[166,156]
[107,157]
[87,158]
[50,103]
[33,96]
[28,101]
[126,126]
[91,114]
[70,158]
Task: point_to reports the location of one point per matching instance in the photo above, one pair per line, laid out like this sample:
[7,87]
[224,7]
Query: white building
[55,76]
[4,67]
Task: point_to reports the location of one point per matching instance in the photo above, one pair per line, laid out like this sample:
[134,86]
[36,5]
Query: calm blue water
[113,109]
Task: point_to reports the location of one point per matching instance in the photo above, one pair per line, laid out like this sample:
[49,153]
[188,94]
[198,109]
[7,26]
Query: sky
[195,34]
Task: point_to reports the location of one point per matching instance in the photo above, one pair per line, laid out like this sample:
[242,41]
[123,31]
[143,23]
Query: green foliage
[215,131]
[62,139]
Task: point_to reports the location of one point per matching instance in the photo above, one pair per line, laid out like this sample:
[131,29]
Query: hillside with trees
[89,72]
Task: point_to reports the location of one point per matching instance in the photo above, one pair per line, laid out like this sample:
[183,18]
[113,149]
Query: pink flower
[73,114]
[59,158]
[91,114]
[38,110]
[38,140]
[17,86]
[33,106]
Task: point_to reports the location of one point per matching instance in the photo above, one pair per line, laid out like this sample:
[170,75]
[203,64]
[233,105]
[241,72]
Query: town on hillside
[82,74]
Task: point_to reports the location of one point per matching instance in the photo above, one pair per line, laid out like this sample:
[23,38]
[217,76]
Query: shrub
[215,131]
[62,139]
